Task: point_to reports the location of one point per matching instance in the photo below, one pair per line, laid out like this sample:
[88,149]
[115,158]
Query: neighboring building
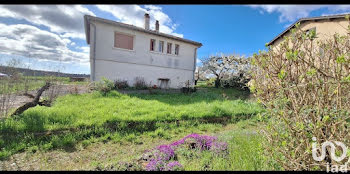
[3,75]
[121,51]
[325,27]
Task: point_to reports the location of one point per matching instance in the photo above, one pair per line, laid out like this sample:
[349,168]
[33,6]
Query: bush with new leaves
[104,86]
[304,84]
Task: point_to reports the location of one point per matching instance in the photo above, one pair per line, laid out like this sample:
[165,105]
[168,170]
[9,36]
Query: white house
[121,51]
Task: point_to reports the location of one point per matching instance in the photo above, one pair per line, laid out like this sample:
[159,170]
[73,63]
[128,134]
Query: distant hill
[31,72]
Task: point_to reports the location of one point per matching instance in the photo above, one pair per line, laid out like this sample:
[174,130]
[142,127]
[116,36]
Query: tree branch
[33,103]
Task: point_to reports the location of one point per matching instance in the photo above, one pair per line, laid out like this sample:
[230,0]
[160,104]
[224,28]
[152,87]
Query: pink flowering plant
[164,157]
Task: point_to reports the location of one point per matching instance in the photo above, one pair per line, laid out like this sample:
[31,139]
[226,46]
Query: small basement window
[169,45]
[152,44]
[177,47]
[123,41]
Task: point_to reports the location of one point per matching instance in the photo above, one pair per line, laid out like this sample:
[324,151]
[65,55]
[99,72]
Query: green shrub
[104,86]
[303,84]
[236,82]
[211,82]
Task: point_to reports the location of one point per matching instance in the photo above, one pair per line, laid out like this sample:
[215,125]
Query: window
[177,49]
[169,48]
[311,33]
[123,41]
[152,44]
[308,30]
[161,46]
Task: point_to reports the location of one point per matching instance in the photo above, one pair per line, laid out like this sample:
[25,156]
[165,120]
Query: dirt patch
[97,154]
[20,99]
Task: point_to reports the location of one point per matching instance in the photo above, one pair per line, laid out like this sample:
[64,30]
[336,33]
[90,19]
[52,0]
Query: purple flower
[164,153]
[202,141]
[174,165]
[218,147]
[155,165]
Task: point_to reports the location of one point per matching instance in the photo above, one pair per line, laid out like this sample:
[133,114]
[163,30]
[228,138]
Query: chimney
[157,25]
[146,21]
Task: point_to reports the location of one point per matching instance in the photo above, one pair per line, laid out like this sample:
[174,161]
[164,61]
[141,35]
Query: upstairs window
[169,45]
[177,47]
[311,33]
[152,44]
[123,41]
[161,46]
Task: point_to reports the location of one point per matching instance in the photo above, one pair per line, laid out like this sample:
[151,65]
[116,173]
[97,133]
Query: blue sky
[52,37]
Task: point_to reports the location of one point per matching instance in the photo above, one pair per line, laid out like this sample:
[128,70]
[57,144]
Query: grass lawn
[79,122]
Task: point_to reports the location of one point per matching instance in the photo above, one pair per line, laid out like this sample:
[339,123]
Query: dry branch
[33,103]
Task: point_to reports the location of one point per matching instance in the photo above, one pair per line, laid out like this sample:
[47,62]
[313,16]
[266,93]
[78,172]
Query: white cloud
[30,41]
[85,49]
[134,15]
[290,13]
[52,30]
[66,20]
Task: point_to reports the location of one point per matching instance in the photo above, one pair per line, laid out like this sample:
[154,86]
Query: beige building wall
[325,28]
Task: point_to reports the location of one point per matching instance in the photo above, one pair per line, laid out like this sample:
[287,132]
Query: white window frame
[178,50]
[161,46]
[171,47]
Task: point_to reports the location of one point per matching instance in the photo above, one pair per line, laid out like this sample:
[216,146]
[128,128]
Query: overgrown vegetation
[76,118]
[304,84]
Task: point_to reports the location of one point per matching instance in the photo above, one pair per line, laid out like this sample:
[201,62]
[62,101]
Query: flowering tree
[226,67]
[200,73]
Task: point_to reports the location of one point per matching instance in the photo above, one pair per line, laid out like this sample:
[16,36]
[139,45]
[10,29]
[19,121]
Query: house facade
[120,51]
[325,27]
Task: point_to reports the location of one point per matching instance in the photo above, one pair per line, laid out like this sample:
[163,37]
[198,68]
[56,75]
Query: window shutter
[123,41]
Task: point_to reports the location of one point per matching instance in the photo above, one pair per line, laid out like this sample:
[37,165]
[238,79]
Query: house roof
[306,19]
[88,18]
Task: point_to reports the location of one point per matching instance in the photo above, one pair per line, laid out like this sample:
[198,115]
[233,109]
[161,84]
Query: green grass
[88,110]
[245,152]
[85,119]
[74,118]
[203,84]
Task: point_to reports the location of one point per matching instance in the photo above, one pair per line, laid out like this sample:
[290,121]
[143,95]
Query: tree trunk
[33,103]
[217,82]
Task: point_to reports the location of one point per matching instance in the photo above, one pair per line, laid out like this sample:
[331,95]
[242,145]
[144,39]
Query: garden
[266,112]
[77,121]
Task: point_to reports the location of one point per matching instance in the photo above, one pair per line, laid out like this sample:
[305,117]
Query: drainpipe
[195,64]
[94,53]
